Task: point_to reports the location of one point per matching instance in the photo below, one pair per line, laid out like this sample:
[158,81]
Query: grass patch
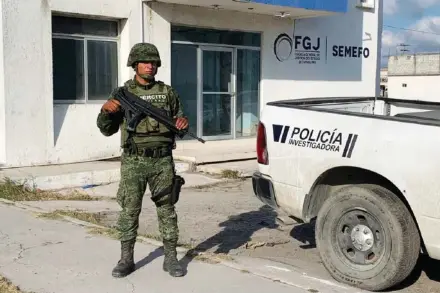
[7,287]
[230,174]
[206,259]
[94,218]
[20,192]
[109,232]
[212,258]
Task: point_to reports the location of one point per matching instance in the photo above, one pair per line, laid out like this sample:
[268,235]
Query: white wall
[30,114]
[425,88]
[2,98]
[27,77]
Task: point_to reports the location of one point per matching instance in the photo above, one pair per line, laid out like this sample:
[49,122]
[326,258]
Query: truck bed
[411,111]
[425,115]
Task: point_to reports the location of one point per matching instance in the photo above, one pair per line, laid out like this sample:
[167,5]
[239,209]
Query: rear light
[262,155]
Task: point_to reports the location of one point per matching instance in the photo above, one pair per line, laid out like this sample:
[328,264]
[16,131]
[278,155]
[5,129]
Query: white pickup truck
[366,171]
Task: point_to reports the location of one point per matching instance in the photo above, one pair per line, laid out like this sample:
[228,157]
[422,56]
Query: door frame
[200,92]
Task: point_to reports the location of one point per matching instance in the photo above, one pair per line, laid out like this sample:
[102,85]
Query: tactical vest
[149,133]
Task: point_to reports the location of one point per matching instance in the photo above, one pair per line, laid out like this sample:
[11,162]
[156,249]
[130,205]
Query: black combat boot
[170,263]
[126,264]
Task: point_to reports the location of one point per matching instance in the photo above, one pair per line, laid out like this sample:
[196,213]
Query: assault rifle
[138,109]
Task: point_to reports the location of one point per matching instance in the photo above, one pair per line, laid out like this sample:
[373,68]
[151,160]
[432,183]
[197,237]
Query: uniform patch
[158,98]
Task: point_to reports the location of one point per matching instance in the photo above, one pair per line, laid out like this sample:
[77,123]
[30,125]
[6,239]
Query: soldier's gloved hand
[181,123]
[111,106]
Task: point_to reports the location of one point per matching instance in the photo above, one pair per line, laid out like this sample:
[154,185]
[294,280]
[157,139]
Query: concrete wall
[31,117]
[423,88]
[416,64]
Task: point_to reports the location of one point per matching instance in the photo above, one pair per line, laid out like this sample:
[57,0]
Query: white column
[27,73]
[2,97]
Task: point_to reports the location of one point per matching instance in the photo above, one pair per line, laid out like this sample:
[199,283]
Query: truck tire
[367,238]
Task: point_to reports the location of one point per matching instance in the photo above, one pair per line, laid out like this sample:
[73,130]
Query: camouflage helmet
[143,52]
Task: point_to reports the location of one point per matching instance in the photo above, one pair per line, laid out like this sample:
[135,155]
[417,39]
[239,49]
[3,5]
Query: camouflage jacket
[149,132]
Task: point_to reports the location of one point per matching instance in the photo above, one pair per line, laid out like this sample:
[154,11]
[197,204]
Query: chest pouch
[149,125]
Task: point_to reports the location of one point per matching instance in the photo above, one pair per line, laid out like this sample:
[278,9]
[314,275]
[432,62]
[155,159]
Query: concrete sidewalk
[43,255]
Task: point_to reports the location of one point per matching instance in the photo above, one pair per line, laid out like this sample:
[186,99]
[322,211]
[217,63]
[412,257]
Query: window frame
[85,38]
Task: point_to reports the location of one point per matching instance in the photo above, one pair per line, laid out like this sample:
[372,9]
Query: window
[214,36]
[85,59]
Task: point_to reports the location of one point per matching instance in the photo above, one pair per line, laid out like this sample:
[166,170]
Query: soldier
[146,159]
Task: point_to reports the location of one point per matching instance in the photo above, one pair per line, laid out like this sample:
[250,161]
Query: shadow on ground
[305,233]
[237,231]
[425,265]
[158,252]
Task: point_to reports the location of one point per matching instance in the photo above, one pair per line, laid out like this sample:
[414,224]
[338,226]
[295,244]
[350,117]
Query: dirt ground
[228,219]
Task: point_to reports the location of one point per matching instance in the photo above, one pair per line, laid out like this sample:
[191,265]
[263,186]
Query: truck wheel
[367,238]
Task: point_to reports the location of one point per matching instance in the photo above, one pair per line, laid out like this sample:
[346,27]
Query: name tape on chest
[158,98]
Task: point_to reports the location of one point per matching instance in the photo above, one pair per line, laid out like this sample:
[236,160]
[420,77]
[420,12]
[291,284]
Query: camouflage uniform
[147,159]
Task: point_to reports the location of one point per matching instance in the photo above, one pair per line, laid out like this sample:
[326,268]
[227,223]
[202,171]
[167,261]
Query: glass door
[216,92]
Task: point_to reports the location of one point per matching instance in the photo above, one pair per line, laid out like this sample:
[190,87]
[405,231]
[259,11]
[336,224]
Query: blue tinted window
[84,26]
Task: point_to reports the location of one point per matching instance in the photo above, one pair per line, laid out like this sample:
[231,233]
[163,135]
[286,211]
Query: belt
[153,152]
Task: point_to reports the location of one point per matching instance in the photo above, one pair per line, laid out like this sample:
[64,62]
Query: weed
[230,174]
[7,287]
[13,191]
[93,218]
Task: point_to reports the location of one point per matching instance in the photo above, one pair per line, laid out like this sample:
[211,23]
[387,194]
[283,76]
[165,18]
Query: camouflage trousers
[136,173]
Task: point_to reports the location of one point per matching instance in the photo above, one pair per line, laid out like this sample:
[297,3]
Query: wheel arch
[335,178]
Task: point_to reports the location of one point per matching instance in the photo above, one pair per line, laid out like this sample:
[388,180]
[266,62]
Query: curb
[211,170]
[77,179]
[214,169]
[83,223]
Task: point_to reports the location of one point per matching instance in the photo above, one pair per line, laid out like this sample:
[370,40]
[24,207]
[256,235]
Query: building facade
[414,76]
[62,58]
